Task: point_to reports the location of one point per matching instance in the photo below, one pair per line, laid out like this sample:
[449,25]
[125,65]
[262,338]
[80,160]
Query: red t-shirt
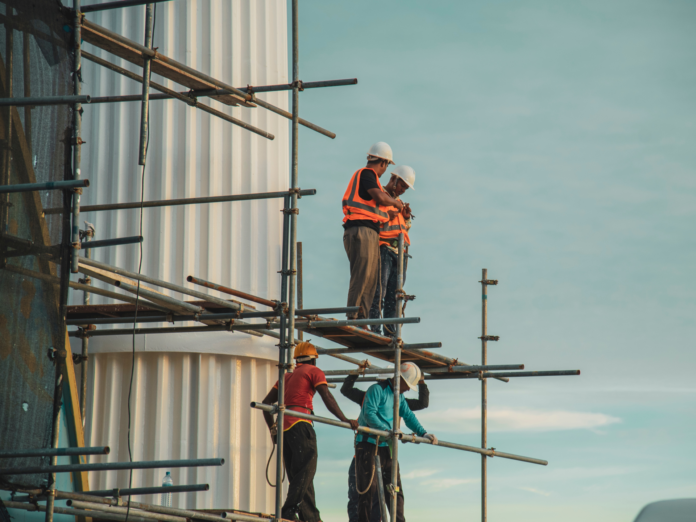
[300,387]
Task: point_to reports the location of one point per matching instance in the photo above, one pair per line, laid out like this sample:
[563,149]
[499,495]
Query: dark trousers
[375,514]
[365,462]
[300,458]
[387,284]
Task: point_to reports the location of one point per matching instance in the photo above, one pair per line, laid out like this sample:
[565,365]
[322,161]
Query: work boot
[289,514]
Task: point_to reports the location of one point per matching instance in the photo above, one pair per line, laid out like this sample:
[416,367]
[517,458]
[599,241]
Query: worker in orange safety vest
[364,208]
[384,302]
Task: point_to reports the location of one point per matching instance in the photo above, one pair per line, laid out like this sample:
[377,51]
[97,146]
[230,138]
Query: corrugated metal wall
[185,406]
[188,405]
[192,153]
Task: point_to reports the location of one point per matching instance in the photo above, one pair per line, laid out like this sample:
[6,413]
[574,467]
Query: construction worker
[364,209]
[378,412]
[358,396]
[384,302]
[300,442]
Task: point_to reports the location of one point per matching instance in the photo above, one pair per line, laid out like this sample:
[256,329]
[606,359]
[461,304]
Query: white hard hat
[411,374]
[407,174]
[382,150]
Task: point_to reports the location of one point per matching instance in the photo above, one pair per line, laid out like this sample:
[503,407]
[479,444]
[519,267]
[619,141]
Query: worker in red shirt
[300,447]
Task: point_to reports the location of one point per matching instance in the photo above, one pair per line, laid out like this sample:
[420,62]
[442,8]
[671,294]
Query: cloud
[537,491]
[419,473]
[469,420]
[445,483]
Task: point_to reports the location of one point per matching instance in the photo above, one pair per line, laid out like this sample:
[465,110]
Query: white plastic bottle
[167,497]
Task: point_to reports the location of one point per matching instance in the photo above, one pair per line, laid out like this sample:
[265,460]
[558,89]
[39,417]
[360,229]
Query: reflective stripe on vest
[354,207]
[389,232]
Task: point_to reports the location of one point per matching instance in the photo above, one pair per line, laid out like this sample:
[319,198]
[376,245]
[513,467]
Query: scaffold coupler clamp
[295,211]
[295,191]
[490,338]
[299,85]
[393,490]
[491,282]
[492,450]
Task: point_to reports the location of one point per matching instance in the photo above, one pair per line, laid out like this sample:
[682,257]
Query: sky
[553,144]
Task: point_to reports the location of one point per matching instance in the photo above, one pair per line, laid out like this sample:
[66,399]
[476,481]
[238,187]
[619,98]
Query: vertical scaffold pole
[484,395]
[26,66]
[77,139]
[7,156]
[397,381]
[282,357]
[294,174]
[57,398]
[145,105]
[300,290]
[85,339]
[289,256]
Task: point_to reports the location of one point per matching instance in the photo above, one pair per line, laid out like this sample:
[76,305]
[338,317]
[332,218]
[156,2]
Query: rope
[372,477]
[268,465]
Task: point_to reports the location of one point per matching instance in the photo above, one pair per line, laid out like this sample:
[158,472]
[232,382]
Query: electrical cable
[137,293]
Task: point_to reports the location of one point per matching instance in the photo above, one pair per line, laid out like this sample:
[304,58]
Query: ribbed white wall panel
[184,406]
[191,392]
[192,154]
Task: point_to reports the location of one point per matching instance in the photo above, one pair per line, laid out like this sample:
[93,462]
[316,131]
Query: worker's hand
[432,438]
[406,212]
[392,214]
[353,424]
[399,205]
[274,431]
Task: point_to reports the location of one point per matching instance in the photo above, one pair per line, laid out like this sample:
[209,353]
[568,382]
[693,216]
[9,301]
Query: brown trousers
[362,247]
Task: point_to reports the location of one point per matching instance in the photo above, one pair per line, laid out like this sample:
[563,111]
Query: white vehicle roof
[680,510]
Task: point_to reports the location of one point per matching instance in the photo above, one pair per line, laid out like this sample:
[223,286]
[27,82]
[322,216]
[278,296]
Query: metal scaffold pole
[145,106]
[287,340]
[484,396]
[89,233]
[397,381]
[77,139]
[57,399]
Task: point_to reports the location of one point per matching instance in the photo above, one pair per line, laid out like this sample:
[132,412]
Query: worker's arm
[410,419]
[348,390]
[423,400]
[382,198]
[371,406]
[271,398]
[333,407]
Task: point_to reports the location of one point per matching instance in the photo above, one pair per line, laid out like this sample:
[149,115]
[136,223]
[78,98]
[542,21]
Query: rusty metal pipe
[231,291]
[210,79]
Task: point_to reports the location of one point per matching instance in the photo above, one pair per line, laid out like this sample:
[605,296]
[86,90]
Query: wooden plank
[73,419]
[92,35]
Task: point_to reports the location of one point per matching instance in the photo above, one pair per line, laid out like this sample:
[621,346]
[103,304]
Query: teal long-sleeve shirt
[378,412]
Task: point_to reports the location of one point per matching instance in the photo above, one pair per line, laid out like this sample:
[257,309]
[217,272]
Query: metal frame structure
[286,315]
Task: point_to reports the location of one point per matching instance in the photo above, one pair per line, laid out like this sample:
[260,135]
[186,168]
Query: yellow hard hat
[305,350]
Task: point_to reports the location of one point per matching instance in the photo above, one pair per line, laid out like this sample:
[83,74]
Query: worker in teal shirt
[378,412]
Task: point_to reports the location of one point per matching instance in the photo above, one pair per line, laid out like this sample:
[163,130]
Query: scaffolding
[284,318]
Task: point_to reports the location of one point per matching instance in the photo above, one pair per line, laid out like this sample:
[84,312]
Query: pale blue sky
[554,145]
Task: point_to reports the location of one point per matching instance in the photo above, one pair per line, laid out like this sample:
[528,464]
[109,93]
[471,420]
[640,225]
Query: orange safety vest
[389,232]
[354,207]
